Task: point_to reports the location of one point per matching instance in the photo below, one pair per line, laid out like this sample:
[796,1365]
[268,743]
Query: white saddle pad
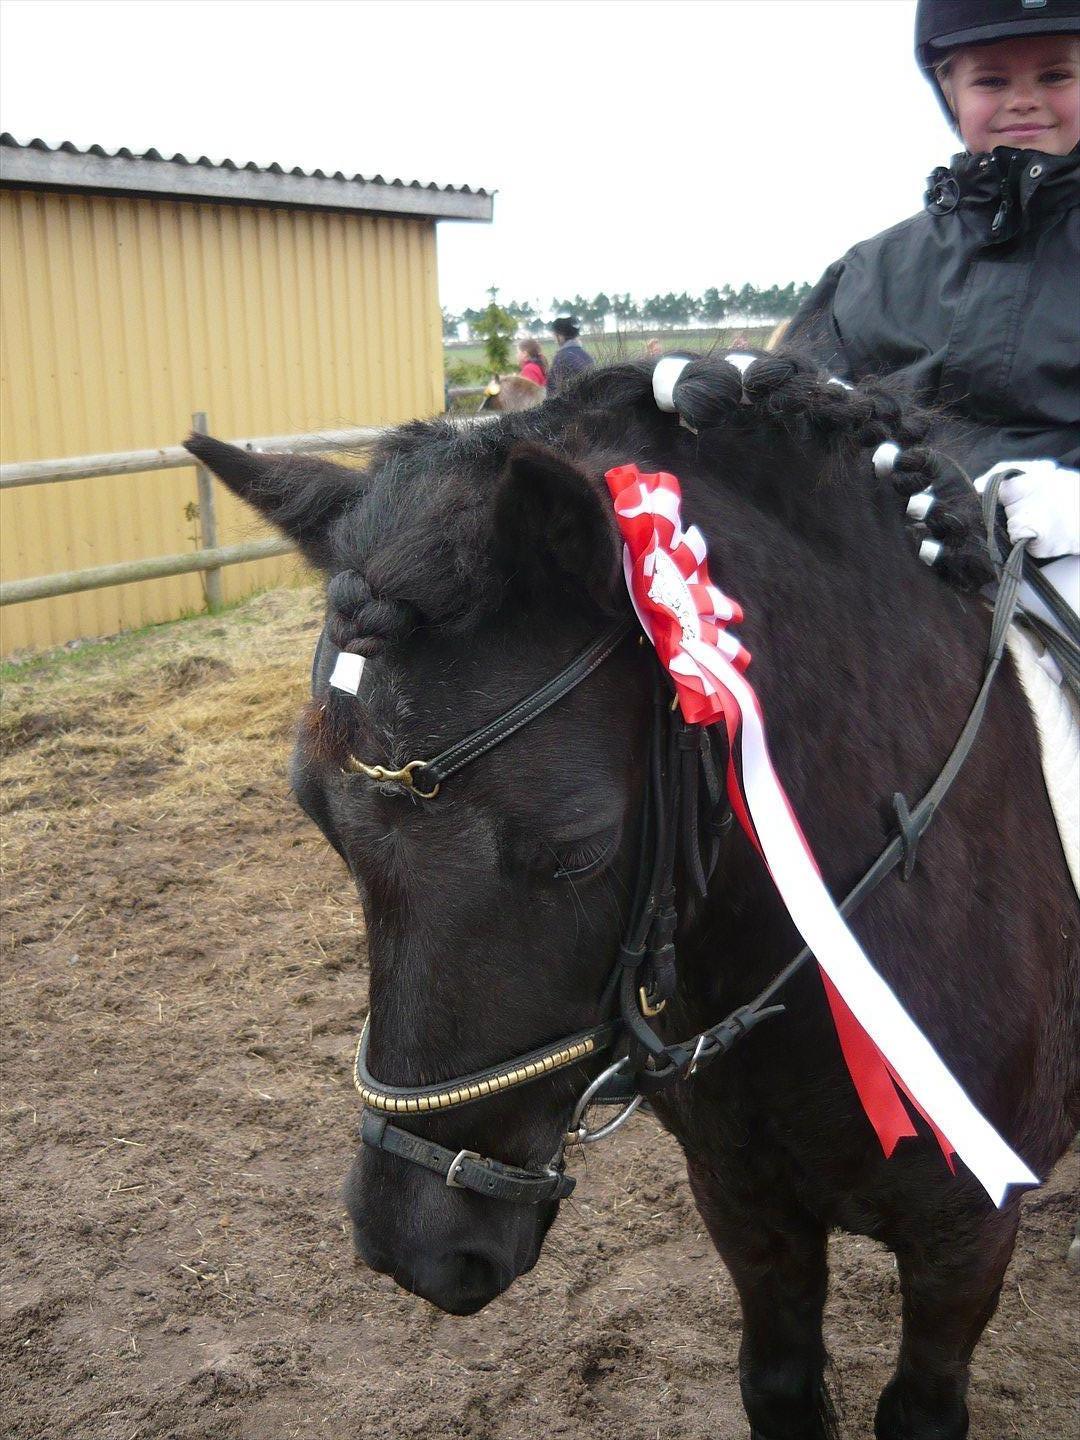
[1058,728]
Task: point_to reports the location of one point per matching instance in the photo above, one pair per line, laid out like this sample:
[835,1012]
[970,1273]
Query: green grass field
[628,345]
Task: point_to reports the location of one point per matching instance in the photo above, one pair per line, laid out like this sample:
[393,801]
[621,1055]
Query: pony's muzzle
[455,1249]
[458,1281]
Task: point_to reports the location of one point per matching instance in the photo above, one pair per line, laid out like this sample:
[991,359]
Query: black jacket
[568,360]
[974,304]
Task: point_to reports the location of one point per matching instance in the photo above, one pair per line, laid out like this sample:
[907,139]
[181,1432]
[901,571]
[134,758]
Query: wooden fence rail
[168,457]
[210,557]
[13,592]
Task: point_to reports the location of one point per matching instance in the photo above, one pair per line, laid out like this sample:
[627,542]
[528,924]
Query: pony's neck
[865,665]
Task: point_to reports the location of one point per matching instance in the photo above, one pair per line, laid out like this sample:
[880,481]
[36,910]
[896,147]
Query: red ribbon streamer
[668,578]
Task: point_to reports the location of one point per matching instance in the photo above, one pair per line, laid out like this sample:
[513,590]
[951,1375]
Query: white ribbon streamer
[716,666]
[867,995]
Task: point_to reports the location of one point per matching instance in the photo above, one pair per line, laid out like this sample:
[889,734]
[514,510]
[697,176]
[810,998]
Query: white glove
[1042,504]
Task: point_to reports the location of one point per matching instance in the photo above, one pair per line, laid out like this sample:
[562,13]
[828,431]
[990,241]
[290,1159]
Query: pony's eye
[576,861]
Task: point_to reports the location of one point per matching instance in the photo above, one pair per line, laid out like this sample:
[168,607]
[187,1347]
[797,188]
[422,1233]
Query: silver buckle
[691,1069]
[456,1164]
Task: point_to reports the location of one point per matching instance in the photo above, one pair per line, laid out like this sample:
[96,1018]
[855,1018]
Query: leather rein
[684,816]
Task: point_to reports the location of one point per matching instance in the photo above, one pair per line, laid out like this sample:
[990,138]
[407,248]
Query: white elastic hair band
[841,384]
[347,671]
[929,551]
[740,360]
[665,375]
[920,504]
[884,459]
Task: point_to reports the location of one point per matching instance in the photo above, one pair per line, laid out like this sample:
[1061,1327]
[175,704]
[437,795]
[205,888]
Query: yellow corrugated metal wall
[123,316]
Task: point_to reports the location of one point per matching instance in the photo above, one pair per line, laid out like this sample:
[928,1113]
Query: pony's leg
[777,1259]
[950,1287]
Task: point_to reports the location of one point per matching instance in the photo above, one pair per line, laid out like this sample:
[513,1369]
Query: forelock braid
[361,622]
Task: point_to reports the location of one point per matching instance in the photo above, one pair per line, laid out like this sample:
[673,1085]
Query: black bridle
[684,811]
[684,816]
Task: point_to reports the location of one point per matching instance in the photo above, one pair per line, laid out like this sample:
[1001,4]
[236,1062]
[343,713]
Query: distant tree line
[658,312]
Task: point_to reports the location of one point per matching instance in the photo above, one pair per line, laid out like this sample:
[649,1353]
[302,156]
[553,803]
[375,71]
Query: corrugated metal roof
[66,166]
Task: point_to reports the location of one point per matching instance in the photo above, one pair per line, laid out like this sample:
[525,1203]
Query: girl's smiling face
[1023,93]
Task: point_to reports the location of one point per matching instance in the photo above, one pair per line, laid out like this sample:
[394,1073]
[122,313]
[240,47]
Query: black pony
[469,565]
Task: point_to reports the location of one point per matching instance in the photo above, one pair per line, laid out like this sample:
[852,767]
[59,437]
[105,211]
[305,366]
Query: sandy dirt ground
[183,979]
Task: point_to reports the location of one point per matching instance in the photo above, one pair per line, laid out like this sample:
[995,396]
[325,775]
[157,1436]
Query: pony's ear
[552,524]
[300,494]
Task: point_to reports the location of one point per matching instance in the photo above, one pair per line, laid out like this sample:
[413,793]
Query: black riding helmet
[944,25]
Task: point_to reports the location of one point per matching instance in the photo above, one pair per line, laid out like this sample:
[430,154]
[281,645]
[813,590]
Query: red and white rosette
[686,618]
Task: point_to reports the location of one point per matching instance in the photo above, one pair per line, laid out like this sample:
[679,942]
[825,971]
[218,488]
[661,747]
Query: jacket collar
[1011,185]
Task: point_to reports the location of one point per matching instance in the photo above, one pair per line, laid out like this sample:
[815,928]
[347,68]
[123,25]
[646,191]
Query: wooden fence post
[207,518]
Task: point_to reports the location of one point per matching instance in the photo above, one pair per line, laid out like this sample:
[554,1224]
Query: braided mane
[417,548]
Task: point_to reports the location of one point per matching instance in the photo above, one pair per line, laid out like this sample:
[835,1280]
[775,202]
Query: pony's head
[467,566]
[511,392]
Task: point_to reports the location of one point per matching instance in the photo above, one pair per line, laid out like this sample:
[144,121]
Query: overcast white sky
[634,145]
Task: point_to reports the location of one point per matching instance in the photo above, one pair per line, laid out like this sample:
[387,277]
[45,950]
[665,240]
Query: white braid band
[929,551]
[665,375]
[740,360]
[884,459]
[920,504]
[841,384]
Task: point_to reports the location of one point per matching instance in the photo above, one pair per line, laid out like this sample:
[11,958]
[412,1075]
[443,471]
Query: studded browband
[464,1089]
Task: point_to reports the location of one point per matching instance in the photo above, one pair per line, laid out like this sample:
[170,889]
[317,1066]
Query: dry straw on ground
[184,974]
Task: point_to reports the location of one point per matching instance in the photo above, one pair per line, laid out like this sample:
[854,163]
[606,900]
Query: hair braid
[362,622]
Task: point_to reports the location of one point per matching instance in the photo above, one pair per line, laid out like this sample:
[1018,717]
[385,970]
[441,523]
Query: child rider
[975,302]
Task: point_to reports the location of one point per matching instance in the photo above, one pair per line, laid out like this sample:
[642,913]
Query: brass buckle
[404,776]
[648,1009]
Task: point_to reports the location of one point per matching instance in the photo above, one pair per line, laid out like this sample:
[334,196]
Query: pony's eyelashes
[578,862]
[574,859]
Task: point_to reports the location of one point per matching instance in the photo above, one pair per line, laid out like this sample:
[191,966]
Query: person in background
[653,349]
[531,362]
[975,302]
[571,356]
